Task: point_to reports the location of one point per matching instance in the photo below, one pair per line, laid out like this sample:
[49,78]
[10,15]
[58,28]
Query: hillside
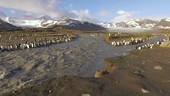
[77,25]
[6,26]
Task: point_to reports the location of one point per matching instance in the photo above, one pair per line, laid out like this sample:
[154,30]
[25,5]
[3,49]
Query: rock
[98,74]
[49,91]
[41,68]
[110,67]
[166,81]
[2,73]
[85,95]
[144,90]
[139,73]
[158,68]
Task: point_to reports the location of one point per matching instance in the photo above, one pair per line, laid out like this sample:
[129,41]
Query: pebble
[2,74]
[85,95]
[144,90]
[158,68]
[49,91]
[98,74]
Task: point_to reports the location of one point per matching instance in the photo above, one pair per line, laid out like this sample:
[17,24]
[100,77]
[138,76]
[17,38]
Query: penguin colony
[137,40]
[126,42]
[40,42]
[133,41]
[150,45]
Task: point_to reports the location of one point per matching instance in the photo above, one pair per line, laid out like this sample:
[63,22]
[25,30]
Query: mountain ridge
[6,26]
[140,23]
[44,21]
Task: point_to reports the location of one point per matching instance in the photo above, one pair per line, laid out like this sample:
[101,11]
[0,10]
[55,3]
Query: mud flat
[140,73]
[81,57]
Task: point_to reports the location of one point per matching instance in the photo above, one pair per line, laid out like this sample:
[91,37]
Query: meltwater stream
[81,57]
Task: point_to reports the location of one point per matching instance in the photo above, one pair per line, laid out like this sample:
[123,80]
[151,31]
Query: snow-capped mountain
[139,23]
[76,24]
[45,17]
[34,23]
[164,23]
[146,23]
[44,21]
[30,22]
[6,26]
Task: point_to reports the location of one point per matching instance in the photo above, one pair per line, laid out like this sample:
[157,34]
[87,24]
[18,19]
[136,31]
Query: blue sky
[101,10]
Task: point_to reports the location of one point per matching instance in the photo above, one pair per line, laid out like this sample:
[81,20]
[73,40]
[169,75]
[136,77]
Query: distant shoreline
[133,30]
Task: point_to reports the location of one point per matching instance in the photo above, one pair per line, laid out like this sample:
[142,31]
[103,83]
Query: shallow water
[81,57]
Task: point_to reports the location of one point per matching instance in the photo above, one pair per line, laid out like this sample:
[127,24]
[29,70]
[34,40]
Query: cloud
[82,14]
[123,15]
[52,4]
[13,11]
[104,13]
[45,7]
[122,12]
[34,6]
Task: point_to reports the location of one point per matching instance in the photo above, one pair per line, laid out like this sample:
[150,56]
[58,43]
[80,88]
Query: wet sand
[81,57]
